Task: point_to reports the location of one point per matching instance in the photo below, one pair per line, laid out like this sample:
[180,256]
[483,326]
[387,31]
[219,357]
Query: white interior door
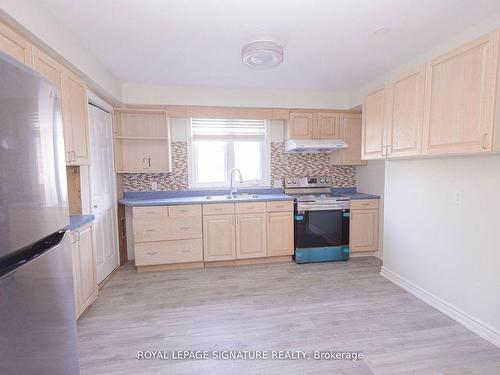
[103,194]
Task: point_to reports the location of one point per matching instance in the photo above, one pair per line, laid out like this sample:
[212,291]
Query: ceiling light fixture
[382,31]
[262,54]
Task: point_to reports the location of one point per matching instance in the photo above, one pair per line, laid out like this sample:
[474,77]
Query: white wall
[370,178]
[232,97]
[448,252]
[38,21]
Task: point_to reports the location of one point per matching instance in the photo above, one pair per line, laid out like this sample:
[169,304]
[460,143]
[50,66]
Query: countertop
[352,193]
[164,198]
[77,221]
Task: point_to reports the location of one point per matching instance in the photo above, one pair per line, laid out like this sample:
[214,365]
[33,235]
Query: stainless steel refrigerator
[37,305]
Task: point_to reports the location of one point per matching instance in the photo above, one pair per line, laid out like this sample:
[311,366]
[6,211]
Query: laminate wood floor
[344,306]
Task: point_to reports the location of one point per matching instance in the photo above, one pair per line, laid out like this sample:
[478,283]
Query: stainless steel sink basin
[231,197]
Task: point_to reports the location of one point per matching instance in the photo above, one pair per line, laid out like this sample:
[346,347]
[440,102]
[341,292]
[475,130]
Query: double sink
[232,197]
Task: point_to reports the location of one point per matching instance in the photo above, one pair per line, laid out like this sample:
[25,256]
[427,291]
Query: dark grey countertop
[77,221]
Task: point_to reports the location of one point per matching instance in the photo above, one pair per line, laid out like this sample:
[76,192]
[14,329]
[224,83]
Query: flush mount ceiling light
[382,31]
[262,54]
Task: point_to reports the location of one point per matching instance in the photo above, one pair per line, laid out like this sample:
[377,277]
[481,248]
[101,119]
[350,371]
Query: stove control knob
[294,181]
[322,180]
[288,181]
[327,180]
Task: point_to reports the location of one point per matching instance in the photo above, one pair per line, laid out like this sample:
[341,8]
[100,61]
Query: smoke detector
[262,54]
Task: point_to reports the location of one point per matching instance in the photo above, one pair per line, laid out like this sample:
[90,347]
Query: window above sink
[215,146]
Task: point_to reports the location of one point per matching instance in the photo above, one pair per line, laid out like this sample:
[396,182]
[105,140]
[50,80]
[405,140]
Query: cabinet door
[219,238]
[459,98]
[350,133]
[327,126]
[47,67]
[373,125]
[300,126]
[280,234]
[250,236]
[75,119]
[84,269]
[363,230]
[405,111]
[15,45]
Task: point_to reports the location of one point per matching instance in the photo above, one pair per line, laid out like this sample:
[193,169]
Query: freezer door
[37,314]
[33,192]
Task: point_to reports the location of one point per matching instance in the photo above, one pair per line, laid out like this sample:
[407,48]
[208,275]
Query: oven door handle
[321,208]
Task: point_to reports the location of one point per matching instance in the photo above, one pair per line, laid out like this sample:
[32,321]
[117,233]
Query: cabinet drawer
[218,209]
[279,206]
[166,228]
[250,207]
[165,252]
[150,211]
[184,210]
[362,204]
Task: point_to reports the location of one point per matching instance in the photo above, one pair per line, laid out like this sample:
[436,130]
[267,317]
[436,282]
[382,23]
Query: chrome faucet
[233,189]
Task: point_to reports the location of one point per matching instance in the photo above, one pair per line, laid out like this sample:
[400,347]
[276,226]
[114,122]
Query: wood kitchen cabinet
[404,114]
[350,133]
[165,235]
[460,98]
[219,242]
[280,233]
[308,125]
[48,67]
[15,45]
[84,268]
[75,119]
[372,141]
[363,225]
[142,141]
[251,241]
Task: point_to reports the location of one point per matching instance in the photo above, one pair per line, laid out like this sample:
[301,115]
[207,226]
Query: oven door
[321,228]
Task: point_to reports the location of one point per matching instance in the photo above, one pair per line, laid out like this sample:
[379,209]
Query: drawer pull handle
[217,209]
[150,230]
[152,252]
[365,204]
[184,228]
[186,251]
[149,212]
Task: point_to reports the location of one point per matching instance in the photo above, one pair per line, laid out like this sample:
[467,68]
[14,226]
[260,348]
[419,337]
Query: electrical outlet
[458,197]
[154,185]
[277,183]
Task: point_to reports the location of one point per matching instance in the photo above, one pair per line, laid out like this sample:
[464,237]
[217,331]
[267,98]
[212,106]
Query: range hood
[303,146]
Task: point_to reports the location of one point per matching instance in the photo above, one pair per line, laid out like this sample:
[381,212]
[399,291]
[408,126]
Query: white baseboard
[476,326]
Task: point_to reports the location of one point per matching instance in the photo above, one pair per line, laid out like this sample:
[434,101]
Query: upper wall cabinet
[142,141]
[75,119]
[445,107]
[15,46]
[372,142]
[404,115]
[350,132]
[48,67]
[460,98]
[308,125]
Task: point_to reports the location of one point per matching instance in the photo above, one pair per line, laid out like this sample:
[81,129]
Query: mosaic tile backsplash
[282,165]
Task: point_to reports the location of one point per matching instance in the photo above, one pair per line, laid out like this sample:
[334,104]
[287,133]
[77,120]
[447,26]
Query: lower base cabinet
[363,225]
[219,242]
[251,241]
[166,237]
[84,268]
[280,233]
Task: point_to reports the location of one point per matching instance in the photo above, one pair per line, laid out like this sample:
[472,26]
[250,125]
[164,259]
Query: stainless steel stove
[313,193]
[321,220]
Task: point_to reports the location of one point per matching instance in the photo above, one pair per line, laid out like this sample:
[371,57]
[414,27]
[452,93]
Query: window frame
[265,182]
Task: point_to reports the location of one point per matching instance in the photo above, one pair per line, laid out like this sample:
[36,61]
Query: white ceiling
[329,45]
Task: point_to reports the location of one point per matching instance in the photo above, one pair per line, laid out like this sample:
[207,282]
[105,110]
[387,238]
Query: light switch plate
[154,185]
[458,197]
